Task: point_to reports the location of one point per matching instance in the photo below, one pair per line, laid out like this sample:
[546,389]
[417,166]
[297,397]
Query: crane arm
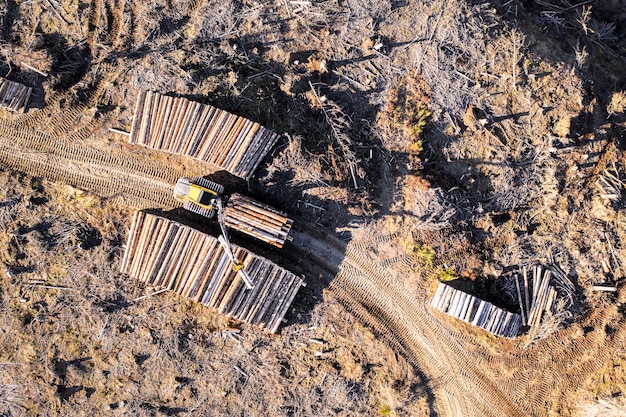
[223,239]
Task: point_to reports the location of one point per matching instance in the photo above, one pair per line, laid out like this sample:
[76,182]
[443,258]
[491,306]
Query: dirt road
[465,379]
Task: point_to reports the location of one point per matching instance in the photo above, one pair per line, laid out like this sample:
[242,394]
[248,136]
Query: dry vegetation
[471,138]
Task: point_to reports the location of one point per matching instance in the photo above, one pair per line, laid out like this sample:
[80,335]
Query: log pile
[257,219]
[201,131]
[166,254]
[14,96]
[475,311]
[535,295]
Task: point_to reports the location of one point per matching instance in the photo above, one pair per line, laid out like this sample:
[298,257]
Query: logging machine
[238,212]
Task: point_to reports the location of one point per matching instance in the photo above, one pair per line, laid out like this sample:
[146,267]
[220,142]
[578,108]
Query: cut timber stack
[475,311]
[257,219]
[536,296]
[14,96]
[185,127]
[166,254]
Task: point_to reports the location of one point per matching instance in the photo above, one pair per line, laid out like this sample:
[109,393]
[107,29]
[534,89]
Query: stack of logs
[166,254]
[257,219]
[185,127]
[536,296]
[475,311]
[14,96]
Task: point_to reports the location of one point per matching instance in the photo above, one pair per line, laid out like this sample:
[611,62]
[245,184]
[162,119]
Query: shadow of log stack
[14,96]
[166,254]
[476,312]
[201,131]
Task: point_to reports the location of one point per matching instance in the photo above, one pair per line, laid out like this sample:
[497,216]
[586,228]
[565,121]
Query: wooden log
[261,300]
[472,310]
[13,95]
[225,138]
[168,255]
[257,272]
[519,298]
[434,301]
[277,317]
[217,272]
[526,295]
[131,240]
[478,313]
[210,146]
[455,312]
[455,300]
[487,315]
[171,121]
[543,297]
[186,262]
[204,275]
[447,300]
[163,254]
[604,288]
[138,117]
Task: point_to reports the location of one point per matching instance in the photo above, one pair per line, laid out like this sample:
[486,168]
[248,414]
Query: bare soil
[444,140]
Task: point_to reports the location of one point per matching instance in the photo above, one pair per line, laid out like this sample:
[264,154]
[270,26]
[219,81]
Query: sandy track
[459,387]
[109,174]
[465,379]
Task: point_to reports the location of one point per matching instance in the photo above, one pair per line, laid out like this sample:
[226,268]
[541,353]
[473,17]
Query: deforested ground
[422,141]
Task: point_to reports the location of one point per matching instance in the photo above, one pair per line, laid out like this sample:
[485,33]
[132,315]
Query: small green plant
[385,410]
[419,122]
[425,254]
[417,146]
[447,274]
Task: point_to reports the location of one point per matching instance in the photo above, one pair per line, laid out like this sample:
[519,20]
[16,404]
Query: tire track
[92,26]
[134,190]
[115,16]
[463,377]
[78,151]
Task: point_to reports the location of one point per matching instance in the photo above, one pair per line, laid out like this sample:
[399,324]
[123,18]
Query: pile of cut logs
[257,219]
[186,127]
[475,311]
[14,96]
[536,296]
[166,254]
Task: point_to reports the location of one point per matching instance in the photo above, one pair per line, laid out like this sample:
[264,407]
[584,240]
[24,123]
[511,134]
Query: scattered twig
[25,65]
[121,132]
[337,121]
[56,12]
[241,371]
[604,288]
[149,295]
